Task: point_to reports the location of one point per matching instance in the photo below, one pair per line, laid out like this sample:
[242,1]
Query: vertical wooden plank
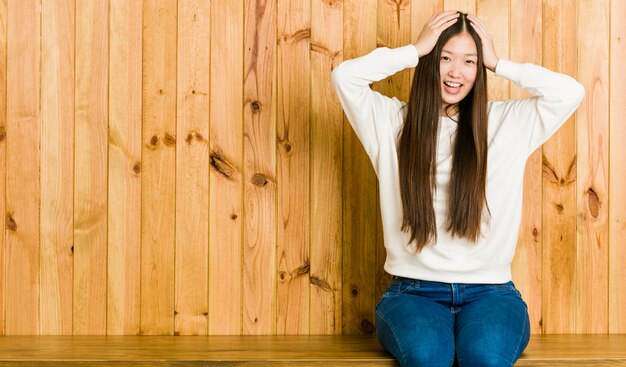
[394,30]
[3,155]
[259,285]
[192,175]
[466,6]
[226,142]
[57,167]
[559,180]
[495,13]
[158,200]
[90,174]
[592,240]
[359,193]
[526,46]
[22,167]
[617,174]
[124,213]
[292,288]
[326,169]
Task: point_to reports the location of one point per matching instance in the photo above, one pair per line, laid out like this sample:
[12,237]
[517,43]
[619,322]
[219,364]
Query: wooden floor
[295,351]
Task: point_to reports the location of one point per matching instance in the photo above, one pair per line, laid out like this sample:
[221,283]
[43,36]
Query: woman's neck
[449,110]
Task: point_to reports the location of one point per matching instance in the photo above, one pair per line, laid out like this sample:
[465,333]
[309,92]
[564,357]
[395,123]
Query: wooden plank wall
[184,167]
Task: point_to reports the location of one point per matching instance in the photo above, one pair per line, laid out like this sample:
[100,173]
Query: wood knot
[169,140]
[11,225]
[137,167]
[354,292]
[256,106]
[323,285]
[72,249]
[282,275]
[233,216]
[154,142]
[535,232]
[259,180]
[194,135]
[559,207]
[221,166]
[593,202]
[161,92]
[3,133]
[367,326]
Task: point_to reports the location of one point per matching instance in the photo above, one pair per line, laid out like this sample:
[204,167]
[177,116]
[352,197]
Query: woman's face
[457,68]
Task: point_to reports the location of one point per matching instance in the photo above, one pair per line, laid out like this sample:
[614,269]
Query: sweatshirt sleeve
[555,98]
[371,114]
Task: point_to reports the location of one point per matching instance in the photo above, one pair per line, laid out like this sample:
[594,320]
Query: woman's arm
[556,96]
[363,106]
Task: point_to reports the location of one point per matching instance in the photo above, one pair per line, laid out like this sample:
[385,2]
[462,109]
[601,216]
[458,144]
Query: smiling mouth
[453,84]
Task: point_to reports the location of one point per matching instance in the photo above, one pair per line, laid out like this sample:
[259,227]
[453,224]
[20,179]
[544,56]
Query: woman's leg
[492,330]
[418,331]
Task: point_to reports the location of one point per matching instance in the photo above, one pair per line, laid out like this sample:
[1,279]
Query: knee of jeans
[483,358]
[420,356]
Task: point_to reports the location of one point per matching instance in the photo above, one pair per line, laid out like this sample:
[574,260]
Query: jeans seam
[519,343]
[400,349]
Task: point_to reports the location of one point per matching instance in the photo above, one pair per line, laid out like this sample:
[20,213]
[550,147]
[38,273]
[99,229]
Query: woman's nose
[454,70]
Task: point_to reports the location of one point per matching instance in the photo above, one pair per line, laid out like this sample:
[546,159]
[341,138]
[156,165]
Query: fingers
[445,19]
[479,26]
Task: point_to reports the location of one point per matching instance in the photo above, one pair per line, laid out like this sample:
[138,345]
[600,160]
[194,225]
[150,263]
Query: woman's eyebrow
[452,53]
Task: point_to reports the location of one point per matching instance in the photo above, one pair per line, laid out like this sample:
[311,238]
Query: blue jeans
[432,324]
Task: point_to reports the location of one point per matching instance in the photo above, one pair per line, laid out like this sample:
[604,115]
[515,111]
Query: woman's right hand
[438,23]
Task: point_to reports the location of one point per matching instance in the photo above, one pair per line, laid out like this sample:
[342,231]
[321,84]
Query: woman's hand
[490,59]
[438,23]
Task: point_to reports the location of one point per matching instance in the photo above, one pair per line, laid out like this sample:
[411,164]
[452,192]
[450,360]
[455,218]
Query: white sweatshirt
[516,129]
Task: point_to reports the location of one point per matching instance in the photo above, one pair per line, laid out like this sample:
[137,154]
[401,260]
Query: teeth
[452,84]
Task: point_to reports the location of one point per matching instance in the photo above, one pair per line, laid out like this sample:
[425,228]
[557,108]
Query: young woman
[450,167]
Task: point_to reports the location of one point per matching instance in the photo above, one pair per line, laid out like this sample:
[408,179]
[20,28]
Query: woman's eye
[445,58]
[471,61]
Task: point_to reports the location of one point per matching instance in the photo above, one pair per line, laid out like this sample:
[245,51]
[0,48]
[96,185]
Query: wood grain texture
[526,46]
[495,14]
[559,180]
[23,132]
[543,350]
[90,167]
[359,192]
[158,173]
[326,169]
[57,167]
[293,108]
[192,169]
[226,166]
[466,6]
[3,155]
[592,136]
[260,187]
[124,213]
[617,173]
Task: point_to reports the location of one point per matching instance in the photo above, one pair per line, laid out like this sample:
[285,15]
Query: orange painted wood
[592,188]
[124,216]
[617,173]
[526,46]
[360,190]
[192,169]
[559,181]
[260,186]
[23,136]
[57,167]
[293,88]
[158,171]
[226,167]
[326,134]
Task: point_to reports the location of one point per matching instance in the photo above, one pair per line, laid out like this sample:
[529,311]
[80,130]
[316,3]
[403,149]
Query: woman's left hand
[490,59]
